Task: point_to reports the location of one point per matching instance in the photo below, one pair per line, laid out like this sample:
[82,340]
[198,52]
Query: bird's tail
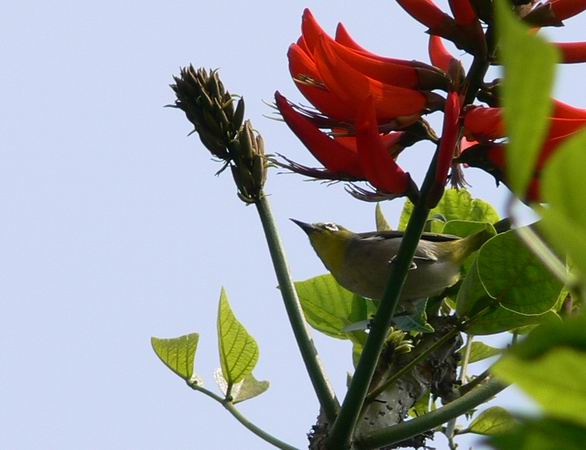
[468,245]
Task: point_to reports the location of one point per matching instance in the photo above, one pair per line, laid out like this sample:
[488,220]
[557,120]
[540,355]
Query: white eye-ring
[331,226]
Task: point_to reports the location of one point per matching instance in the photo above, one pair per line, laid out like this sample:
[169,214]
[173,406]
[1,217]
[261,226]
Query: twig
[229,406]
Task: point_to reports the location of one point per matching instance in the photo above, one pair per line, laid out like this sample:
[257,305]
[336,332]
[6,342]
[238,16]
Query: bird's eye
[331,226]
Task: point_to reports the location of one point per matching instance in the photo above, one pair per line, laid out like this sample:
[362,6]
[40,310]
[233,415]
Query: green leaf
[568,333]
[464,228]
[481,351]
[501,319]
[238,349]
[557,381]
[492,421]
[564,189]
[246,389]
[544,434]
[178,354]
[456,204]
[381,222]
[528,65]
[330,308]
[507,276]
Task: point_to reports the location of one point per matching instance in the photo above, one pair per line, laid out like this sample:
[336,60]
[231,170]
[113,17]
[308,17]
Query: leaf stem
[229,406]
[433,419]
[323,389]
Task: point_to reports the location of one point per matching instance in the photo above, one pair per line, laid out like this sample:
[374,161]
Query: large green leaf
[178,354]
[245,389]
[529,65]
[492,421]
[238,349]
[556,380]
[330,308]
[465,228]
[568,333]
[564,189]
[544,434]
[456,204]
[507,276]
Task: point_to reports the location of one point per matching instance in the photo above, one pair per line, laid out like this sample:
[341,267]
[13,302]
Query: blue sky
[114,227]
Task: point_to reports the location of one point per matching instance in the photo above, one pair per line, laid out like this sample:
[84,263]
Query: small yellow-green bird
[361,262]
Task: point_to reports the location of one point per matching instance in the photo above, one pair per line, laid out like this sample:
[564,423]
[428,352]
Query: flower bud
[222,129]
[209,107]
[249,167]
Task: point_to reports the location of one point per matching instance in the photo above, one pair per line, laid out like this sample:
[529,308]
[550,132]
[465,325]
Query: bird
[361,262]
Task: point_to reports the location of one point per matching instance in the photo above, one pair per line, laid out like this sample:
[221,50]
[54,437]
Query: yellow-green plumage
[362,262]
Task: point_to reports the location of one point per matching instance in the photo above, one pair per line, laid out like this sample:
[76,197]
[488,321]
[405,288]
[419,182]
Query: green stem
[475,382]
[431,420]
[323,390]
[229,406]
[345,423]
[451,426]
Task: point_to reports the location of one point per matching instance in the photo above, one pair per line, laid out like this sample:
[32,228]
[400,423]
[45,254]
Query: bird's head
[328,240]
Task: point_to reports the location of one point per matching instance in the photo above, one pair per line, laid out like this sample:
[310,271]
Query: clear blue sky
[113,227]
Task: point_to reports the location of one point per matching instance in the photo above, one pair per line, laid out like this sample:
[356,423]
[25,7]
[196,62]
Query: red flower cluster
[368,103]
[369,108]
[484,127]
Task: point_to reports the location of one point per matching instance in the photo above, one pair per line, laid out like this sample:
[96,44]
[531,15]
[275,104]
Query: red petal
[439,55]
[572,52]
[393,71]
[463,12]
[450,136]
[301,64]
[483,124]
[386,71]
[311,30]
[378,165]
[566,111]
[344,38]
[426,12]
[335,156]
[560,127]
[564,9]
[352,87]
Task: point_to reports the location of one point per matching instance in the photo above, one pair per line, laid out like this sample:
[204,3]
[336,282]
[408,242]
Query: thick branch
[432,419]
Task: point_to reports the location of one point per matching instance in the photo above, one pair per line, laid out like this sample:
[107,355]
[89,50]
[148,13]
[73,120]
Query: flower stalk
[323,390]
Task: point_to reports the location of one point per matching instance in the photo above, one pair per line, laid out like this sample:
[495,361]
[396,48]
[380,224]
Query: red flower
[335,77]
[367,156]
[363,99]
[486,125]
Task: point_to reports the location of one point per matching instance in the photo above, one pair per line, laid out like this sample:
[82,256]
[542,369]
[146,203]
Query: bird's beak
[307,227]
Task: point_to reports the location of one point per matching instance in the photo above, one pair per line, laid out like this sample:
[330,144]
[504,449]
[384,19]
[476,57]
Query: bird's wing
[392,234]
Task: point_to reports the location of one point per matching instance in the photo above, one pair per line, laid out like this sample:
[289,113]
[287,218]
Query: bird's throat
[331,250]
